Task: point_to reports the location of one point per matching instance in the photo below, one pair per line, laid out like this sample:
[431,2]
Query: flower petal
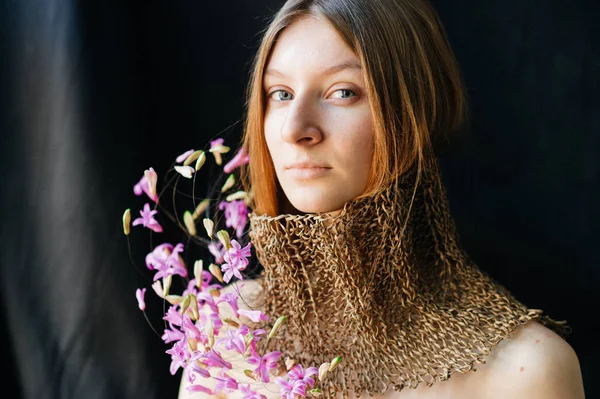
[199,388]
[183,156]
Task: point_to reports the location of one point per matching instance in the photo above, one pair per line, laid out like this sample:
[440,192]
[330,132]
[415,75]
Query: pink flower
[139,294]
[225,383]
[215,320]
[199,388]
[184,156]
[234,340]
[232,300]
[179,354]
[165,258]
[238,256]
[147,184]
[236,260]
[194,367]
[241,158]
[291,389]
[264,364]
[171,335]
[191,330]
[214,359]
[217,143]
[230,271]
[254,315]
[297,373]
[147,219]
[217,250]
[206,299]
[257,333]
[236,215]
[173,316]
[250,394]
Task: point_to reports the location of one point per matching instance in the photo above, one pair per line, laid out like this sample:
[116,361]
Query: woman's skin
[324,120]
[318,121]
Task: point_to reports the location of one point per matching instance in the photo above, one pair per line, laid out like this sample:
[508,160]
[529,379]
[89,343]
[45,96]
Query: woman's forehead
[310,46]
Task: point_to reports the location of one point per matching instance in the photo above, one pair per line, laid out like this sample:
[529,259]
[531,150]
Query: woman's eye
[346,93]
[282,95]
[285,95]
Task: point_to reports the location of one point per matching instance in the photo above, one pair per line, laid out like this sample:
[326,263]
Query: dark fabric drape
[93,93]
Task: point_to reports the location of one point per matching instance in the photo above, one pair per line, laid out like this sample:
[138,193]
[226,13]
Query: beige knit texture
[387,287]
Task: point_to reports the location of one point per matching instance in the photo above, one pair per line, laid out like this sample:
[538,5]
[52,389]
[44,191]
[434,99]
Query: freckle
[537,341]
[521,369]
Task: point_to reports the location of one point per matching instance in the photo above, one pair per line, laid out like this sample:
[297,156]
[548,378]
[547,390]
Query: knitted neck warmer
[386,286]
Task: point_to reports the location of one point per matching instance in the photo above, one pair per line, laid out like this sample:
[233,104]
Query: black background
[93,93]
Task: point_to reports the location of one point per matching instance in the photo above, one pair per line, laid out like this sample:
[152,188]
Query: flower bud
[200,161]
[157,287]
[188,220]
[334,363]
[210,332]
[200,208]
[215,293]
[127,221]
[198,266]
[174,299]
[231,323]
[217,150]
[216,271]
[151,178]
[289,363]
[167,284]
[237,196]
[249,374]
[248,338]
[192,157]
[223,237]
[228,183]
[185,171]
[139,295]
[323,370]
[280,321]
[187,302]
[208,226]
[190,343]
[194,307]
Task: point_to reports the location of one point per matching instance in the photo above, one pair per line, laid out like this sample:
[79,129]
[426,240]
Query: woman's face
[318,122]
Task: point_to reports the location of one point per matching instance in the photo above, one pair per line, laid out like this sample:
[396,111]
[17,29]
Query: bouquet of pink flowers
[203,336]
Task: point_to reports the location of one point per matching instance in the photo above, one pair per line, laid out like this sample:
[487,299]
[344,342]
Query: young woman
[350,219]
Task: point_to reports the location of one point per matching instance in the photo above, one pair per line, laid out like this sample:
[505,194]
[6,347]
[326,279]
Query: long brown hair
[413,84]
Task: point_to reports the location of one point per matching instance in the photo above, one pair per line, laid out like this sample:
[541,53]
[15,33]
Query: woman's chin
[308,200]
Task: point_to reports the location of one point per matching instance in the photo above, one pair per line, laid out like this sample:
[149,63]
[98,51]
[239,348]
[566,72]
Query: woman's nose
[301,123]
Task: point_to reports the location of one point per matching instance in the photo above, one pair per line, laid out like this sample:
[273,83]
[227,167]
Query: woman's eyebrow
[329,71]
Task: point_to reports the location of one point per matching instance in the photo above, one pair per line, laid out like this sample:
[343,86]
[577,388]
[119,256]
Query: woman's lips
[307,172]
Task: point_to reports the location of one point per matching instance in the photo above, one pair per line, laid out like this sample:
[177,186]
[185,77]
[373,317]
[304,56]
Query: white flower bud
[208,226]
[127,221]
[188,220]
[200,208]
[323,370]
[228,183]
[201,160]
[185,171]
[198,266]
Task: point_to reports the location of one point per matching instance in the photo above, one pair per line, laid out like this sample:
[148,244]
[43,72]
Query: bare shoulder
[249,292]
[533,363]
